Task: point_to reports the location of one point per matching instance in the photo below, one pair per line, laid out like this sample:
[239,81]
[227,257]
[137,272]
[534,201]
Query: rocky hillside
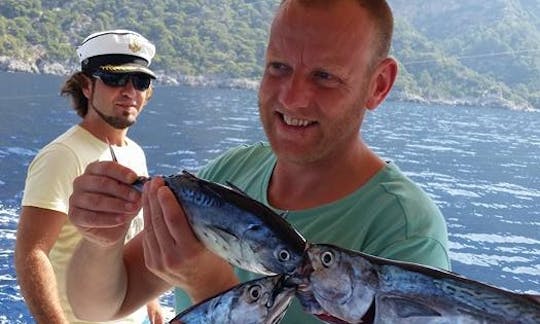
[483,52]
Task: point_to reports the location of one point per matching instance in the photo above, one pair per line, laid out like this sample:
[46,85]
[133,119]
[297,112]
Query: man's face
[315,84]
[118,106]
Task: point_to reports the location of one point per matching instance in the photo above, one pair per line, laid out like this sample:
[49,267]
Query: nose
[129,90]
[295,92]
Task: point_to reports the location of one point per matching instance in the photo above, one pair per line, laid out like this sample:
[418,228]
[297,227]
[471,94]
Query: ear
[381,83]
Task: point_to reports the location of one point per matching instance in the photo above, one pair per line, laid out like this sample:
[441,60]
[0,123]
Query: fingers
[169,243]
[111,170]
[108,178]
[172,251]
[175,218]
[103,203]
[104,188]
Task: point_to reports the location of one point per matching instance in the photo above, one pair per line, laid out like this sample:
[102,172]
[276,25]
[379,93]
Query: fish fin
[283,215]
[186,172]
[236,189]
[404,307]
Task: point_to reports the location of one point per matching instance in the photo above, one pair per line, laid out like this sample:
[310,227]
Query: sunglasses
[140,82]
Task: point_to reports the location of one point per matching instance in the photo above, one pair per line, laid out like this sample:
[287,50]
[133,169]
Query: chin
[295,153]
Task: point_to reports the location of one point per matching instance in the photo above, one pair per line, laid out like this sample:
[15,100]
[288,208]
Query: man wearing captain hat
[109,93]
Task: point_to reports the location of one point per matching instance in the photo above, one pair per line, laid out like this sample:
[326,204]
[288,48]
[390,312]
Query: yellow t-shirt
[49,184]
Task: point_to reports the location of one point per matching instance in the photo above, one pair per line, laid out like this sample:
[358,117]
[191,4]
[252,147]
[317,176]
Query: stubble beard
[115,122]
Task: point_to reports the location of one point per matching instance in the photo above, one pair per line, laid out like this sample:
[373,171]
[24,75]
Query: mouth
[126,105]
[296,122]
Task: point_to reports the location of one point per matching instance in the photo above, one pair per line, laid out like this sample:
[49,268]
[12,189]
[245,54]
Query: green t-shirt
[389,216]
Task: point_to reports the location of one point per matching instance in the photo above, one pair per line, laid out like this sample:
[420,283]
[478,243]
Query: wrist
[217,282]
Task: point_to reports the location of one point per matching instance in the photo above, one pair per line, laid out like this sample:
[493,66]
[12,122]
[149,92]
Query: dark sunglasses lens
[140,82]
[114,80]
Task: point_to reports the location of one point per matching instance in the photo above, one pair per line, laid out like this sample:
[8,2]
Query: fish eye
[284,255]
[327,258]
[255,292]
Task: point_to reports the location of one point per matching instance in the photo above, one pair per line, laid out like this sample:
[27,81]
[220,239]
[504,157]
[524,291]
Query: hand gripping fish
[263,300]
[343,286]
[236,227]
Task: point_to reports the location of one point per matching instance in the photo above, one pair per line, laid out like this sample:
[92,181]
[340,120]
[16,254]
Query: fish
[339,285]
[240,229]
[263,300]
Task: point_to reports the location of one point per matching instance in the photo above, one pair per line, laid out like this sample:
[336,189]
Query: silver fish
[236,227]
[344,286]
[263,300]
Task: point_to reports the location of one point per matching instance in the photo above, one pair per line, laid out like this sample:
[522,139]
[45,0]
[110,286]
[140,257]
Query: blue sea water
[480,165]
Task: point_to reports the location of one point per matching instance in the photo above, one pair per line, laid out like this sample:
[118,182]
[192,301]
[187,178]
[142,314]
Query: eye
[323,75]
[277,68]
[284,255]
[327,259]
[326,79]
[255,292]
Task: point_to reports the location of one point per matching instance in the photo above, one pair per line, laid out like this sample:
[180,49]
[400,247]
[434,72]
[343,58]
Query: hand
[173,253]
[154,312]
[103,203]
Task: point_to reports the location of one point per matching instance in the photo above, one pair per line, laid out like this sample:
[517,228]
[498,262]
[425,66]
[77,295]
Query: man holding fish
[327,65]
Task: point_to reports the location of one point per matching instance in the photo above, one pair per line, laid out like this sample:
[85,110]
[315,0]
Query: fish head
[336,284]
[264,300]
[275,254]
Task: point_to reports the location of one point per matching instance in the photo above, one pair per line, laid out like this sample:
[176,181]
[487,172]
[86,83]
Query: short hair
[73,87]
[378,10]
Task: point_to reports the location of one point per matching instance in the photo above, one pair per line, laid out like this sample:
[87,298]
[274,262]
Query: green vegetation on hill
[452,50]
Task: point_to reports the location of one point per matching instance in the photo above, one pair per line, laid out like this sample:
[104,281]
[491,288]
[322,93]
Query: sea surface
[481,165]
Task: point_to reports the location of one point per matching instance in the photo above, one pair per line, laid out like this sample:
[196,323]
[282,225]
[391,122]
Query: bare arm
[36,234]
[107,279]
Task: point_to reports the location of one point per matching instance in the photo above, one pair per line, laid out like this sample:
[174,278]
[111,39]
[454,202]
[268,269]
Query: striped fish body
[344,286]
[238,228]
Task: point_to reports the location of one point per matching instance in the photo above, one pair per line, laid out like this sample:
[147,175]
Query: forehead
[338,30]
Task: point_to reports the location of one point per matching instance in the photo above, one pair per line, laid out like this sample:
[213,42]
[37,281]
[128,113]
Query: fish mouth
[280,299]
[282,286]
[299,279]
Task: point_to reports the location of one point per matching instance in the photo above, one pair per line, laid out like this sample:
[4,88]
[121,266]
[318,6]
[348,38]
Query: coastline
[494,100]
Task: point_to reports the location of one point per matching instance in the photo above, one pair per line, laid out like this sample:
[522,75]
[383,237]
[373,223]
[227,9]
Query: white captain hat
[116,51]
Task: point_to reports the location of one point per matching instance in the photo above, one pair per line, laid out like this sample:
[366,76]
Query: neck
[105,132]
[296,187]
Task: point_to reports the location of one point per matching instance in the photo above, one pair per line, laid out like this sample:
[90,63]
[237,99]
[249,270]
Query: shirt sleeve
[422,250]
[49,181]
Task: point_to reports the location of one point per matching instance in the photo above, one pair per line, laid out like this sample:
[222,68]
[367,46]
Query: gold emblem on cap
[134,46]
[116,68]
